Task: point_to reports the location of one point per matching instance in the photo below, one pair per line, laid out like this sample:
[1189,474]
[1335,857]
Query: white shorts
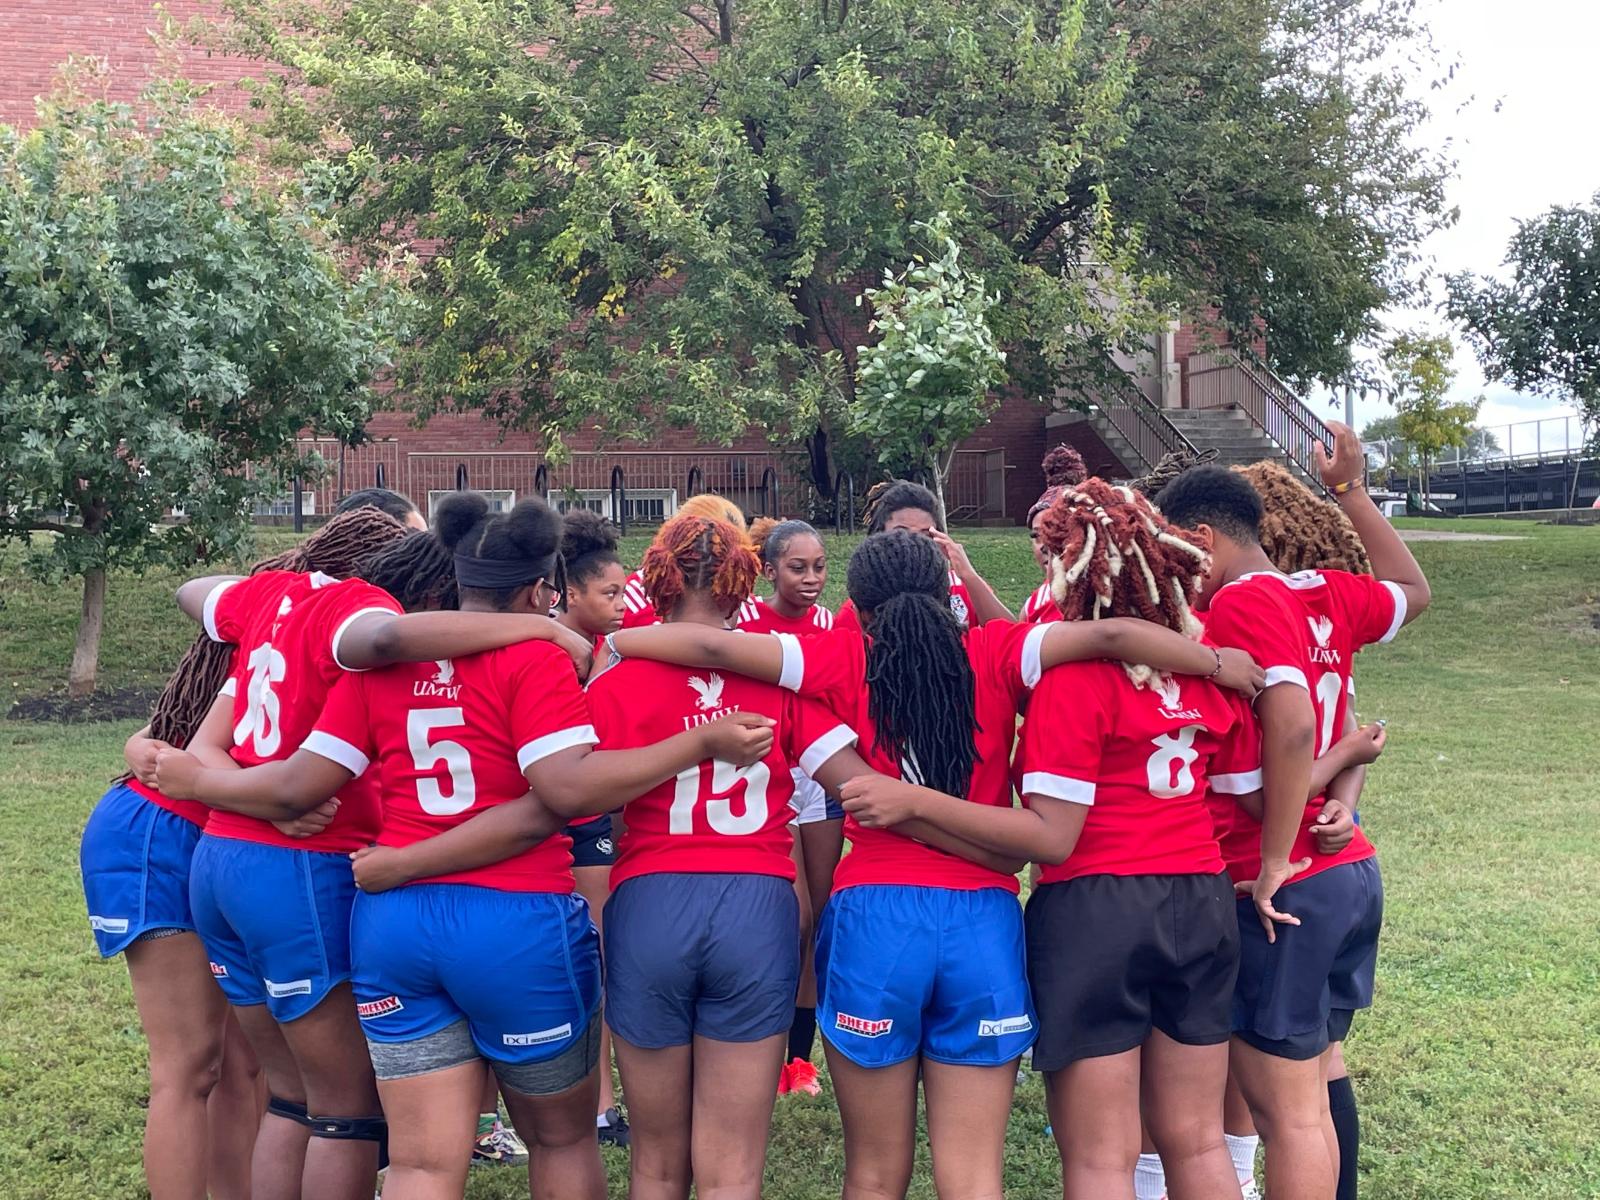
[810,801]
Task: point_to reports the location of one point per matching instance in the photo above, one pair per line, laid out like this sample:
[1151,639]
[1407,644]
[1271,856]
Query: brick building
[996,475]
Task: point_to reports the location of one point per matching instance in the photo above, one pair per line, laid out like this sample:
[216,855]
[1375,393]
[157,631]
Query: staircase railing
[1142,425]
[1225,380]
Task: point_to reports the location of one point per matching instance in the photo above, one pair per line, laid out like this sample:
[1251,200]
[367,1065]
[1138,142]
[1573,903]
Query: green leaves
[170,319]
[925,383]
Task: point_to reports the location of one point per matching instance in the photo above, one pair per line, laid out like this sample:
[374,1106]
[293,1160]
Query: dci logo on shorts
[862,1027]
[544,1036]
[1005,1026]
[295,987]
[367,1009]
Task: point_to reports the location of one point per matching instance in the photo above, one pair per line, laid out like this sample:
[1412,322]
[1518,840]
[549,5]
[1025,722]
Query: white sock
[1243,1152]
[1149,1178]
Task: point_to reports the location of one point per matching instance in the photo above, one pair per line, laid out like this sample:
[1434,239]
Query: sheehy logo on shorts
[108,924]
[295,987]
[1005,1026]
[545,1036]
[367,1009]
[862,1027]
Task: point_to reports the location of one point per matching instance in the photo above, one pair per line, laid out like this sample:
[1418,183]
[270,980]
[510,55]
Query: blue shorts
[940,972]
[522,969]
[1297,994]
[275,922]
[714,956]
[134,858]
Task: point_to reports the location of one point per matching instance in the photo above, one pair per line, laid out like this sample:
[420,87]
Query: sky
[1525,142]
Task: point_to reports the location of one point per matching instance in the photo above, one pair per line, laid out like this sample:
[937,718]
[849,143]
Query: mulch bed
[106,704]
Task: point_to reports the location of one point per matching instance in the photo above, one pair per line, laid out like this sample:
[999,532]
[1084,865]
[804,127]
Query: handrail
[844,518]
[1267,401]
[619,500]
[1145,428]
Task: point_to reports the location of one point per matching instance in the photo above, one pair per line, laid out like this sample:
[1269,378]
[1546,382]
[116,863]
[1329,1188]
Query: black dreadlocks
[919,680]
[417,571]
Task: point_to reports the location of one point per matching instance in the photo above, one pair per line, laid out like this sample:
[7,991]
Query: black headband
[503,573]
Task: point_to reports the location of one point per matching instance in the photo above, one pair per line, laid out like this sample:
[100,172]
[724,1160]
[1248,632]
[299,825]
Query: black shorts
[1111,957]
[1300,992]
[592,844]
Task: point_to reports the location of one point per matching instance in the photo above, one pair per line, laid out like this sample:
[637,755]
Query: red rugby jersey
[1139,758]
[758,616]
[452,738]
[960,605]
[714,817]
[636,607]
[1304,630]
[1005,664]
[1040,607]
[287,626]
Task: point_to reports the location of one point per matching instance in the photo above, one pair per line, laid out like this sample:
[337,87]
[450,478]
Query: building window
[280,506]
[646,506]
[499,501]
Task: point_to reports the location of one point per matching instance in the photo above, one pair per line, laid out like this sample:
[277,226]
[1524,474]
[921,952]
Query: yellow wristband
[1349,485]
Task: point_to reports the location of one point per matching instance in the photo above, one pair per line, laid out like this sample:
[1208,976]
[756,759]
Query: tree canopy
[169,321]
[666,210]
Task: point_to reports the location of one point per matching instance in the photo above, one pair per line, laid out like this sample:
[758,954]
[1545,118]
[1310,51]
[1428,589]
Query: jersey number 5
[426,754]
[719,809]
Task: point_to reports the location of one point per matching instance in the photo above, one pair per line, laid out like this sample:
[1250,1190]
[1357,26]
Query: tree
[1481,444]
[1540,331]
[663,211]
[924,385]
[168,322]
[1419,365]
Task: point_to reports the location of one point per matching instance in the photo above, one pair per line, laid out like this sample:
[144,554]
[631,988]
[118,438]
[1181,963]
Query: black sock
[1347,1128]
[803,1033]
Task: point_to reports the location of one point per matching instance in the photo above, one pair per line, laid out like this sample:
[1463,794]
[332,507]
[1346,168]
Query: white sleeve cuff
[794,662]
[1277,675]
[231,688]
[337,750]
[554,743]
[208,611]
[825,747]
[1240,784]
[1033,656]
[338,633]
[1399,611]
[1058,787]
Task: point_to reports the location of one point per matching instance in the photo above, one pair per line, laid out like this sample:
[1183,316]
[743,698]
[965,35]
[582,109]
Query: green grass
[1476,1068]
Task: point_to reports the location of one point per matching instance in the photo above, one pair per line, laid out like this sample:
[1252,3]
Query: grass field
[1477,1067]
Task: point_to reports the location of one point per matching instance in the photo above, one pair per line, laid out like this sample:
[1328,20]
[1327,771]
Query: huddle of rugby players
[431,819]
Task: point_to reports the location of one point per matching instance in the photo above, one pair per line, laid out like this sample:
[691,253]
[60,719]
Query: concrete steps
[1233,435]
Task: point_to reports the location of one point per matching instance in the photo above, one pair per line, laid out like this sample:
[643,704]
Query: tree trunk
[937,470]
[86,650]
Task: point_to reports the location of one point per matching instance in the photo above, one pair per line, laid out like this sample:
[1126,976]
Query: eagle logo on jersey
[1321,629]
[708,692]
[1169,691]
[446,674]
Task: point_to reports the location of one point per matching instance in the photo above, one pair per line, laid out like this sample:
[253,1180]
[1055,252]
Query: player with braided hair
[135,861]
[1063,468]
[1115,764]
[702,929]
[500,721]
[1299,984]
[794,563]
[920,957]
[636,599]
[899,504]
[1300,531]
